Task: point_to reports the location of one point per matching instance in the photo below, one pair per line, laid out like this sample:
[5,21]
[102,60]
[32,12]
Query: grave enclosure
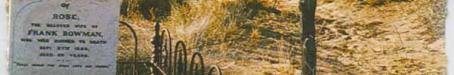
[167,59]
[79,37]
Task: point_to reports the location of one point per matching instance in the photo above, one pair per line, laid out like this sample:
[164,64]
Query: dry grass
[261,37]
[397,37]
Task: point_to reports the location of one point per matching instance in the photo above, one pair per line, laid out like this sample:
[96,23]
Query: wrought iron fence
[133,68]
[165,60]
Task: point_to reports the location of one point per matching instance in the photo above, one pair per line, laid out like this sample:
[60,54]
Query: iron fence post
[308,8]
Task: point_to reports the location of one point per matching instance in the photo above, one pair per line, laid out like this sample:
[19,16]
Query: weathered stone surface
[63,37]
[3,39]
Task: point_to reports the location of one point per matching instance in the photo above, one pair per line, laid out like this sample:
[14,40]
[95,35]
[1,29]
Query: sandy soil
[354,37]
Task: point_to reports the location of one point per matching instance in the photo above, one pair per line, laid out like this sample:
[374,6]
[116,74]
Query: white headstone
[63,37]
[3,39]
[449,31]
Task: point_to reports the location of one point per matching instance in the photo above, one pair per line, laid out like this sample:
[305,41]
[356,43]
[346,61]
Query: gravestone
[63,37]
[3,39]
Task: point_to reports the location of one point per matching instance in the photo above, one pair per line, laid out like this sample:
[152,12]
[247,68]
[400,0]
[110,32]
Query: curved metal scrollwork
[134,35]
[167,61]
[194,68]
[215,69]
[167,48]
[181,58]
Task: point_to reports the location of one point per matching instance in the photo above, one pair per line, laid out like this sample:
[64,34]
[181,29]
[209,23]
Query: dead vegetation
[262,37]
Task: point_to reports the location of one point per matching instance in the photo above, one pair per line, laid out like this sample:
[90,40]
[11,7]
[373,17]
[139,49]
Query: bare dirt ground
[262,37]
[397,37]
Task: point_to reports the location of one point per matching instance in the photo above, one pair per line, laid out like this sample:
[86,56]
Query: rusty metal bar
[157,48]
[135,43]
[194,69]
[213,69]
